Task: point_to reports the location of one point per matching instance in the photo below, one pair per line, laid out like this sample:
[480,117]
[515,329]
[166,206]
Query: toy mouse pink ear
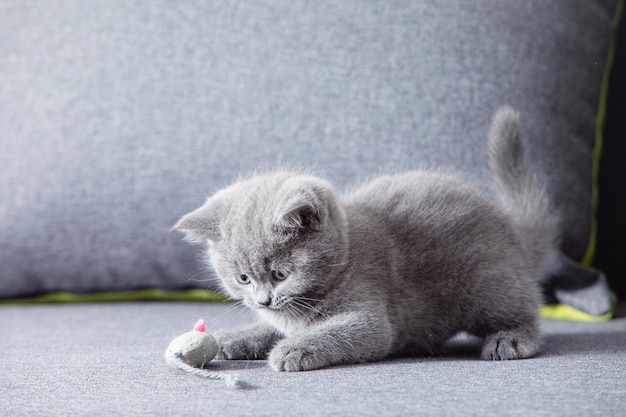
[199,326]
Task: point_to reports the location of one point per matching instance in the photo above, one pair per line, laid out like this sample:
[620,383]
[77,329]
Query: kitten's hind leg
[516,343]
[508,320]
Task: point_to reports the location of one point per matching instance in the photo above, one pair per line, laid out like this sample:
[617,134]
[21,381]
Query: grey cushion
[118,117]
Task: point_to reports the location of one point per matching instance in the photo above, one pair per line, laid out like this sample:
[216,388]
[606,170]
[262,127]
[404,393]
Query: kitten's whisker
[293,307]
[307,306]
[297,314]
[292,310]
[301,302]
[307,298]
[194,278]
[231,307]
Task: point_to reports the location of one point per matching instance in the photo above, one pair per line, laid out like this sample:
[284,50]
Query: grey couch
[116,118]
[106,359]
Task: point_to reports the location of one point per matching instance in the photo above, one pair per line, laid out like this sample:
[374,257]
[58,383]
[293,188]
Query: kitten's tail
[522,194]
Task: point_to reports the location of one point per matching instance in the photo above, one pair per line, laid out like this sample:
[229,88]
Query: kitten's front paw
[236,347]
[291,357]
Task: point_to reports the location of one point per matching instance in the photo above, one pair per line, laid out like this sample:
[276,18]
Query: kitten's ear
[202,224]
[304,206]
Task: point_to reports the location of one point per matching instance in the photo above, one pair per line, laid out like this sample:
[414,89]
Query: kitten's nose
[263,294]
[264,301]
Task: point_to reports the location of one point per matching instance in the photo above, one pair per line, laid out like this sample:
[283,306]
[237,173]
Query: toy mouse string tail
[232,381]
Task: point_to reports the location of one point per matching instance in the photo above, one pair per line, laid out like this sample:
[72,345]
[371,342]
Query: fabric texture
[107,359]
[120,117]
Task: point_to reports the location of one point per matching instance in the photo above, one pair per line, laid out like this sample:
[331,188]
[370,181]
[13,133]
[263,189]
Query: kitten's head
[273,239]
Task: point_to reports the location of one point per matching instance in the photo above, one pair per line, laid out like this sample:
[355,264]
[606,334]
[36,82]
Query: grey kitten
[397,267]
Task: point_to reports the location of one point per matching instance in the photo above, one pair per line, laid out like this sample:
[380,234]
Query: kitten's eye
[244,279]
[280,274]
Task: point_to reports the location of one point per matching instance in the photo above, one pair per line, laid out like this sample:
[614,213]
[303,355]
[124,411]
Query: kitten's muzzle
[263,294]
[263,298]
[264,301]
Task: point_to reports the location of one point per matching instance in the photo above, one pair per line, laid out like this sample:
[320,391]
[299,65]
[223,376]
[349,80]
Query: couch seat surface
[107,359]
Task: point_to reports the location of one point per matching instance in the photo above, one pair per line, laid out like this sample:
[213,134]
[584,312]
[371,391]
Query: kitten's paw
[238,348]
[507,345]
[291,357]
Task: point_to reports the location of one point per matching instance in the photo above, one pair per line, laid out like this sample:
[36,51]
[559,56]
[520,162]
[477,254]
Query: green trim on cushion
[566,312]
[600,121]
[148,294]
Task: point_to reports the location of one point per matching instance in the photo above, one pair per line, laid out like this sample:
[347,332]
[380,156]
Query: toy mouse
[192,351]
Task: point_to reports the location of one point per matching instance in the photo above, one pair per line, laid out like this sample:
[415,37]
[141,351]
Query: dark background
[611,244]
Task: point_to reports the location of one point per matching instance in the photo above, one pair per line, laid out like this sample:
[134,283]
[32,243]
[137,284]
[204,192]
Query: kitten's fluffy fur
[396,267]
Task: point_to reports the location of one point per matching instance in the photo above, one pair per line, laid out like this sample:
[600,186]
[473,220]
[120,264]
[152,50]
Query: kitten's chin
[280,320]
